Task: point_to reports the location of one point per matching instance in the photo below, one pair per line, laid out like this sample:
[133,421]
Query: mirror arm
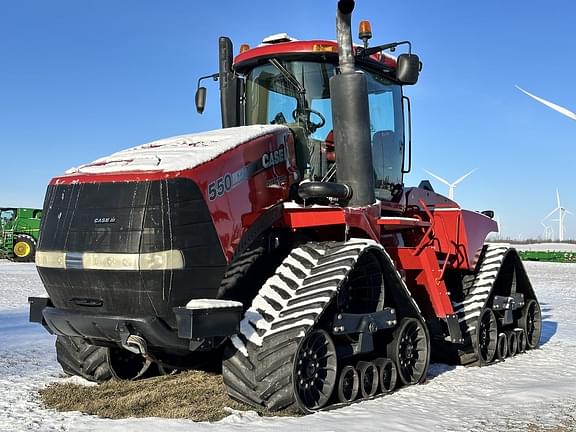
[213,76]
[364,52]
[201,92]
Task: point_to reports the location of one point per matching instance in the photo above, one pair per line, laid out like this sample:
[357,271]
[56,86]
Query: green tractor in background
[19,229]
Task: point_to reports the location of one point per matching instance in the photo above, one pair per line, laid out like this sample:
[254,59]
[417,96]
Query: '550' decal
[220,186]
[230,180]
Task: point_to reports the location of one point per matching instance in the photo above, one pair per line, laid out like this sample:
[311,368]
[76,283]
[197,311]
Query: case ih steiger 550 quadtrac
[286,242]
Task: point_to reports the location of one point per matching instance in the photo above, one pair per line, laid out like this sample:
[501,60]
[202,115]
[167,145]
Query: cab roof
[287,46]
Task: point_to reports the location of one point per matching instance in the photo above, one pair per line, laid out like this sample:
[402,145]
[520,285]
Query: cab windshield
[273,98]
[6,215]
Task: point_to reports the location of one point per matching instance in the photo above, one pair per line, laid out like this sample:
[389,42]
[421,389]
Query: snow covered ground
[560,247]
[538,387]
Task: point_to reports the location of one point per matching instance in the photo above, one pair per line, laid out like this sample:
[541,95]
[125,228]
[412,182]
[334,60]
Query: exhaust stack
[351,116]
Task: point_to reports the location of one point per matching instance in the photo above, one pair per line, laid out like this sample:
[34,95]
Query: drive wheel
[78,357]
[487,336]
[315,371]
[24,248]
[410,350]
[531,323]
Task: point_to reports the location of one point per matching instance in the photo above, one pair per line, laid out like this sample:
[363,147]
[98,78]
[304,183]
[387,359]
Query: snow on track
[537,387]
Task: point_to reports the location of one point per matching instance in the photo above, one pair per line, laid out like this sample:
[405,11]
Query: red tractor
[286,242]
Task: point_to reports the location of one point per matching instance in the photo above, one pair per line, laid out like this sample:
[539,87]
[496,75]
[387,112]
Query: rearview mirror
[200,99]
[408,68]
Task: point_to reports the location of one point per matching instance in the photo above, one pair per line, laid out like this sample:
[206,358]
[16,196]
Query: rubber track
[258,370]
[478,289]
[235,274]
[77,357]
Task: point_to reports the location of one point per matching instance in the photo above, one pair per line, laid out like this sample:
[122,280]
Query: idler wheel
[348,384]
[387,374]
[315,370]
[409,350]
[531,323]
[486,336]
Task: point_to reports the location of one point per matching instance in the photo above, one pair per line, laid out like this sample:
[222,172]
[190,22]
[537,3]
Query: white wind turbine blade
[551,213]
[549,104]
[558,198]
[439,178]
[463,177]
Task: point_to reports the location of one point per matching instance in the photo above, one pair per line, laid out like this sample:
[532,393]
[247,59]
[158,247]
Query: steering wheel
[308,112]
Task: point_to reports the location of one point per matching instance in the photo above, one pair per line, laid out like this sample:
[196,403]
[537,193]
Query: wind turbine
[548,231]
[549,104]
[561,215]
[452,185]
[499,227]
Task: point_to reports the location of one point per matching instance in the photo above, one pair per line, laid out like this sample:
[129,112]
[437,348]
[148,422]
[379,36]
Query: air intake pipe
[228,84]
[351,116]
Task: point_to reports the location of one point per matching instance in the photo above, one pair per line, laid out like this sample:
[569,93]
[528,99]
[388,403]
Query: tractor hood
[177,153]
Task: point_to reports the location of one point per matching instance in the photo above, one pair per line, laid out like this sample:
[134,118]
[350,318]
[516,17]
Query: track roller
[369,378]
[502,346]
[512,343]
[387,374]
[521,338]
[348,384]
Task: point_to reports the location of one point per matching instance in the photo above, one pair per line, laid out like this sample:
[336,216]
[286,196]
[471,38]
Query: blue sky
[82,79]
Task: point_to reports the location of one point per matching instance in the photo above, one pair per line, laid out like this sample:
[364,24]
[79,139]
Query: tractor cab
[295,92]
[7,215]
[285,81]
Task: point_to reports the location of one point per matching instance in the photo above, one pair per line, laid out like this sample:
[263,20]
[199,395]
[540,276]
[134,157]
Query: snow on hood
[177,153]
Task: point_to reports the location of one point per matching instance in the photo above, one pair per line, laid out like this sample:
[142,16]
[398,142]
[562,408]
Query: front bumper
[198,329]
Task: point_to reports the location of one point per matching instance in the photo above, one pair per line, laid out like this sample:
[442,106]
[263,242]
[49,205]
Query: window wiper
[289,77]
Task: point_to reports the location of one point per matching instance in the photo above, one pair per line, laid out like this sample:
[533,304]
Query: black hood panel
[131,217]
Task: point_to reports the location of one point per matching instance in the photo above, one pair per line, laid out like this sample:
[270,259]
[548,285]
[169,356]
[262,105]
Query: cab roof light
[324,48]
[365,32]
[244,48]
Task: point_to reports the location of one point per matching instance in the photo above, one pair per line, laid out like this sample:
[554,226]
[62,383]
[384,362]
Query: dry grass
[194,395]
[567,425]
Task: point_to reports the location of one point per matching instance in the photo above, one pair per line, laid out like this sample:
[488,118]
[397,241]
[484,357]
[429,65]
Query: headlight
[164,260]
[51,259]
